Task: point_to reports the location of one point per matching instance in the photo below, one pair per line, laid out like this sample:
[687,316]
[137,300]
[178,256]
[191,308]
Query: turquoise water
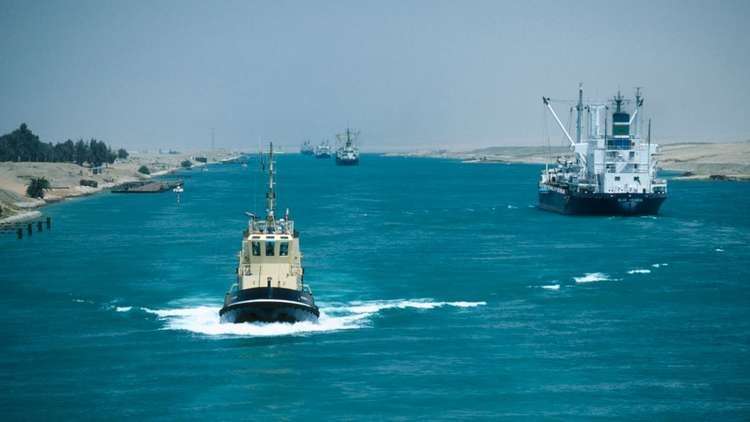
[445,295]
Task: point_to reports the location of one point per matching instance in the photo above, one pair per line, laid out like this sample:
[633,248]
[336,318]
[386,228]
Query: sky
[408,74]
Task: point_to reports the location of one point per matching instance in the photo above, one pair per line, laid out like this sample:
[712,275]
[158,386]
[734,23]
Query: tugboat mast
[271,194]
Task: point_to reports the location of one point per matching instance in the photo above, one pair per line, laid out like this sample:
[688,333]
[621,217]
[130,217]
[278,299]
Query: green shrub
[36,187]
[144,170]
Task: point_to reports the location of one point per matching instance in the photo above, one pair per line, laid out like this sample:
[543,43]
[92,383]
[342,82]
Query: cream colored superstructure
[270,257]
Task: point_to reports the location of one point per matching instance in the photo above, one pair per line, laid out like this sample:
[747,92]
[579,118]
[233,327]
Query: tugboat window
[269,248]
[256,248]
[283,248]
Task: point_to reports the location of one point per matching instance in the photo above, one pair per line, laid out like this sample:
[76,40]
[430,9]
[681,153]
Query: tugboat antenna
[271,194]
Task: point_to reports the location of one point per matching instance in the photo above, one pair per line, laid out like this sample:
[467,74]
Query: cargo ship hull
[347,162]
[601,203]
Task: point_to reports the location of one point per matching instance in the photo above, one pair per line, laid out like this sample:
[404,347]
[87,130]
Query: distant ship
[323,150]
[611,173]
[348,154]
[307,148]
[270,286]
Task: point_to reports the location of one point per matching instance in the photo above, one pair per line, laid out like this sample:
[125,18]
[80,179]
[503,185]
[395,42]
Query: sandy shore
[706,161]
[65,178]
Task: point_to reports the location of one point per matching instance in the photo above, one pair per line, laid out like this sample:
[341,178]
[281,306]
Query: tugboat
[323,150]
[610,173]
[270,279]
[307,148]
[348,154]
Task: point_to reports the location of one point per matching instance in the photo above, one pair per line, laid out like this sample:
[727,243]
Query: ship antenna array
[348,136]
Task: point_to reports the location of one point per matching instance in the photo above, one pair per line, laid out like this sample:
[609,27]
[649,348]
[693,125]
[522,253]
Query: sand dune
[693,160]
[65,178]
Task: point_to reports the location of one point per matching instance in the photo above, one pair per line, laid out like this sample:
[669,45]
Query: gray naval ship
[270,279]
[348,154]
[307,148]
[611,173]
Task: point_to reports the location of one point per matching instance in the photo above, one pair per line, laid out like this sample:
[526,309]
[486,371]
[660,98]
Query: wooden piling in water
[30,229]
[49,223]
[39,226]
[19,233]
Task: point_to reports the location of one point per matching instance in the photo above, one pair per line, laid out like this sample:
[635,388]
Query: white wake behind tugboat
[270,286]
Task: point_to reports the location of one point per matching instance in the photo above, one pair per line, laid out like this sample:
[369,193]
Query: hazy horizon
[409,75]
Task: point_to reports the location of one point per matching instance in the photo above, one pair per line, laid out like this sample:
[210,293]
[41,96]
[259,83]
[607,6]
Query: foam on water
[334,317]
[551,287]
[123,308]
[639,271]
[591,278]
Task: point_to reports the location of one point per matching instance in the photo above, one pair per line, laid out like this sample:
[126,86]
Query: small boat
[178,189]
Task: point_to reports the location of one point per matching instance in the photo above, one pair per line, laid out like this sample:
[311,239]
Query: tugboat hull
[601,203]
[269,305]
[268,311]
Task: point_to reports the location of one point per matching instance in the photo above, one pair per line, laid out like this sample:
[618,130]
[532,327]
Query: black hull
[269,305]
[344,162]
[601,203]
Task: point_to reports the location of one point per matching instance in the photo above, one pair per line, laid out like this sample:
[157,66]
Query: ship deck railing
[278,226]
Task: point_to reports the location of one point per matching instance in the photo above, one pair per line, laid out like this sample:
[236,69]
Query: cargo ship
[610,172]
[347,154]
